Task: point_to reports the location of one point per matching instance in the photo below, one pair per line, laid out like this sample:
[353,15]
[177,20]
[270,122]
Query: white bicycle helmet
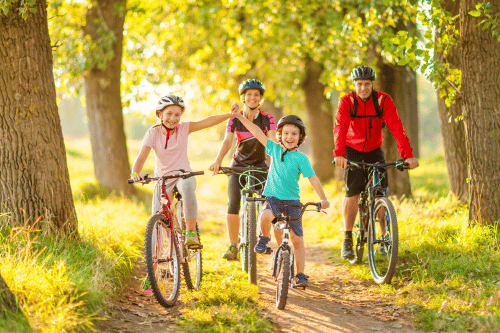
[169,100]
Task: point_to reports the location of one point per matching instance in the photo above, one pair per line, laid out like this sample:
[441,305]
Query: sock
[348,234]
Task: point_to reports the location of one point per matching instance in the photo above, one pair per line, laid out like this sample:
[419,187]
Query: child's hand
[325,204]
[235,109]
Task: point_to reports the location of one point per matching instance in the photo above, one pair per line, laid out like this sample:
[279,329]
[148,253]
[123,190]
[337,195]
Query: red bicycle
[164,248]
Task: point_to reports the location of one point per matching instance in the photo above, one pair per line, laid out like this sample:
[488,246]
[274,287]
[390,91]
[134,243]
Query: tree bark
[275,111]
[400,83]
[104,107]
[320,120]
[480,65]
[453,132]
[34,178]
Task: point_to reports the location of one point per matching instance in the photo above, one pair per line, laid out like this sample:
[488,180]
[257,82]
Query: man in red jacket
[358,137]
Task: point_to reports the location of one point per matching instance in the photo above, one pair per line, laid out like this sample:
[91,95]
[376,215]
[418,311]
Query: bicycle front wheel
[383,241]
[162,260]
[252,241]
[282,277]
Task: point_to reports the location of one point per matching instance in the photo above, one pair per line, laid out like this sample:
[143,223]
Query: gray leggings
[186,188]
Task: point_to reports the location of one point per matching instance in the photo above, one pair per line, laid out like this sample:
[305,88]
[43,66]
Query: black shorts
[356,179]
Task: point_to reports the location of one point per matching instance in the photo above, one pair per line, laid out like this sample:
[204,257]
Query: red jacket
[357,132]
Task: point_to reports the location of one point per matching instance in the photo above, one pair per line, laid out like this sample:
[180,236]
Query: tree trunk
[480,65]
[104,108]
[453,132]
[34,178]
[320,120]
[400,84]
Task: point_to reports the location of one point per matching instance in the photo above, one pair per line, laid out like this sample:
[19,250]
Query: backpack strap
[376,104]
[378,111]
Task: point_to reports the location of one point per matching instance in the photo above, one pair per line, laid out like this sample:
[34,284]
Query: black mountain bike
[249,211]
[377,225]
[164,248]
[283,259]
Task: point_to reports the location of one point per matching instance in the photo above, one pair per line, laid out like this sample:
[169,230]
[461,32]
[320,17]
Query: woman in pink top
[169,141]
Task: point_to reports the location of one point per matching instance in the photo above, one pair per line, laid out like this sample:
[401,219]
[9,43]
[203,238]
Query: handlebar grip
[130,181]
[196,173]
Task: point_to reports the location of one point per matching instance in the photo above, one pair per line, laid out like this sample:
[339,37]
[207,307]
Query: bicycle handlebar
[317,204]
[236,170]
[146,179]
[400,165]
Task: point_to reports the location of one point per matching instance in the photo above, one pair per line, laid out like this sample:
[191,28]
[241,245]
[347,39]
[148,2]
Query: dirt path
[334,302]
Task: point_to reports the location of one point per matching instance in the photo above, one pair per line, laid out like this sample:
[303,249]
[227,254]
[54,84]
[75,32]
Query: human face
[171,116]
[252,98]
[290,135]
[363,88]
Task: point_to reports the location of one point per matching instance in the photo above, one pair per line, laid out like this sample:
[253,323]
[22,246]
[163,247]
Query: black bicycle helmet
[363,73]
[292,119]
[169,100]
[251,84]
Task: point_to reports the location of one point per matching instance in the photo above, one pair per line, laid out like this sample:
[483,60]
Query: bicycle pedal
[268,250]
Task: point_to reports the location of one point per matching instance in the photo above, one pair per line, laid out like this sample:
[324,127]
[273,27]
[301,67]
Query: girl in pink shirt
[169,141]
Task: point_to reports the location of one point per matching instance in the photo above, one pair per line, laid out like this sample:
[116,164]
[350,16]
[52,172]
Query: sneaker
[347,252]
[192,241]
[301,280]
[261,246]
[231,253]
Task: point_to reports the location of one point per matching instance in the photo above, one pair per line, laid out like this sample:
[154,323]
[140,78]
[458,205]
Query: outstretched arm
[224,149]
[314,180]
[254,129]
[140,160]
[208,122]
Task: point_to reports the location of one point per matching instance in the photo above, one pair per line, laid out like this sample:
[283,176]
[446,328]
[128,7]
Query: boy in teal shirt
[287,163]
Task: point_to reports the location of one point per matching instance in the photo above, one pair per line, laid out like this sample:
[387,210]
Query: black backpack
[378,111]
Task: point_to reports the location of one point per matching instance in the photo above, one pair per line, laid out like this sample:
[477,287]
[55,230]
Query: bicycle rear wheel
[383,246]
[282,277]
[162,260]
[192,263]
[359,236]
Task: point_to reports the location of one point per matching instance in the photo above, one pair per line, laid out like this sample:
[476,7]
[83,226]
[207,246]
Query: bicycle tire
[162,260]
[193,268]
[243,238]
[252,241]
[282,278]
[383,249]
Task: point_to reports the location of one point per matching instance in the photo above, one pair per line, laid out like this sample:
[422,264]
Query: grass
[447,277]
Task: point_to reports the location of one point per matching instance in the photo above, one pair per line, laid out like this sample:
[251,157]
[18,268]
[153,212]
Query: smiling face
[171,116]
[363,88]
[290,135]
[252,98]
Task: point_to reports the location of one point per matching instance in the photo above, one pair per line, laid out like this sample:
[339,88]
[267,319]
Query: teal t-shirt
[283,178]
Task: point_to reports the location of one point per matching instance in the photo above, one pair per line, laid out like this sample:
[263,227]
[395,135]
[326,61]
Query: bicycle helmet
[363,73]
[169,100]
[251,84]
[294,120]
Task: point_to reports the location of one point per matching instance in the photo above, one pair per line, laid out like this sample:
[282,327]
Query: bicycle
[375,208]
[248,216]
[283,258]
[164,248]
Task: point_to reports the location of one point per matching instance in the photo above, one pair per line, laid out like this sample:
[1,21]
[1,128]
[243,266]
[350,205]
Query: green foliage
[76,52]
[24,7]
[441,33]
[491,20]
